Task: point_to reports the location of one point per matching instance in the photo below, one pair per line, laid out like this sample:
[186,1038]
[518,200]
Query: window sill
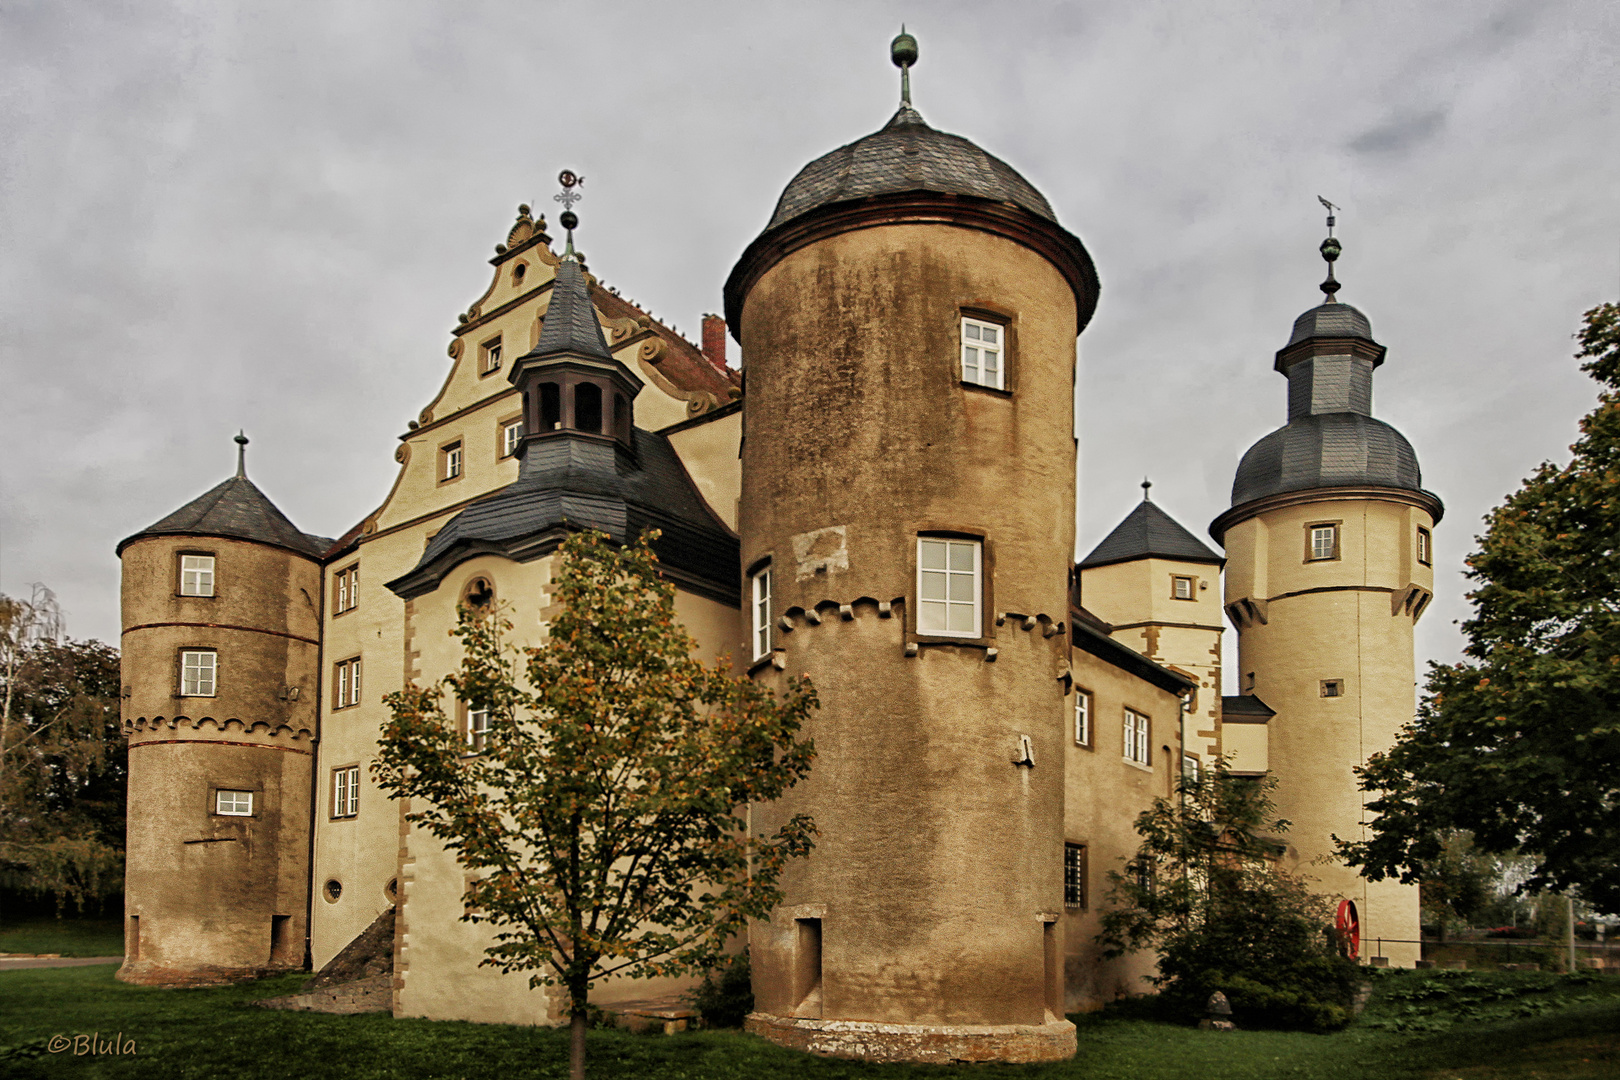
[197,596]
[775,658]
[994,391]
[197,697]
[1133,763]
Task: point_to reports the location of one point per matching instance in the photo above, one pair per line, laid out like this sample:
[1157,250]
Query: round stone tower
[221,664]
[908,324]
[1329,552]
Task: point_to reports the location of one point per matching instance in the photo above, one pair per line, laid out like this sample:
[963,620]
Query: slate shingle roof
[1245,709]
[1333,320]
[1148,532]
[570,324]
[906,155]
[239,510]
[1327,450]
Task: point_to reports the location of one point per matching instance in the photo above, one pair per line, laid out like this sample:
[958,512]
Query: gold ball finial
[903,49]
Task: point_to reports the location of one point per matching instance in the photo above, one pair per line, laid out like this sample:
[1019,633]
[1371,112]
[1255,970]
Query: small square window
[346,791]
[761,613]
[233,803]
[983,353]
[1183,588]
[196,575]
[1323,542]
[1074,876]
[511,436]
[199,671]
[477,730]
[490,353]
[1423,542]
[948,587]
[450,461]
[1332,687]
[1082,718]
[1136,737]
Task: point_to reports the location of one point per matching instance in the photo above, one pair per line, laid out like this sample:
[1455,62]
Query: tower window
[346,683]
[1332,687]
[511,435]
[983,353]
[760,606]
[1136,737]
[1322,542]
[588,407]
[1082,718]
[346,791]
[948,587]
[347,586]
[196,575]
[622,417]
[1182,588]
[199,670]
[550,406]
[233,803]
[1074,876]
[450,461]
[490,356]
[1423,544]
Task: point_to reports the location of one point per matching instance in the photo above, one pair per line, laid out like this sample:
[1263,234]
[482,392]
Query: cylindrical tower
[221,660]
[1329,552]
[908,324]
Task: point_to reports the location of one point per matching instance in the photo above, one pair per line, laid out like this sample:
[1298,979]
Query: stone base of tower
[144,974]
[939,1044]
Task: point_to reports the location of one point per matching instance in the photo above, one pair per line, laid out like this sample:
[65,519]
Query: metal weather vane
[568,197]
[1330,251]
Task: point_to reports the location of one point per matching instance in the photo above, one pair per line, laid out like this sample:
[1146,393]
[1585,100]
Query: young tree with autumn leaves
[604,820]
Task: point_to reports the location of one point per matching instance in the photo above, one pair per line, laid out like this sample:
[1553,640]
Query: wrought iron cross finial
[568,196]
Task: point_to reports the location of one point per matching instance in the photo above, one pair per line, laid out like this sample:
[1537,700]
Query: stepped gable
[239,510]
[1148,532]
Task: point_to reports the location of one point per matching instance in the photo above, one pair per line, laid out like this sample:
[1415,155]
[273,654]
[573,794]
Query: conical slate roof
[570,324]
[1148,532]
[239,510]
[906,155]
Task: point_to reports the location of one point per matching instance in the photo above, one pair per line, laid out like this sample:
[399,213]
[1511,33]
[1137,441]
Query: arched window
[588,407]
[550,407]
[621,417]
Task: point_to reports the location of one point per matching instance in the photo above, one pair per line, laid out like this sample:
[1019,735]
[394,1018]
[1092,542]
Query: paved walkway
[12,963]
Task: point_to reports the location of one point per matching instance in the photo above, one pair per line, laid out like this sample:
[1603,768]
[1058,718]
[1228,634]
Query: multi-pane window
[199,671]
[346,683]
[1324,543]
[450,458]
[760,607]
[1136,737]
[511,435]
[1074,876]
[1181,588]
[233,803]
[1082,718]
[948,587]
[1190,767]
[346,791]
[196,575]
[477,730]
[347,584]
[983,349]
[491,356]
[1423,542]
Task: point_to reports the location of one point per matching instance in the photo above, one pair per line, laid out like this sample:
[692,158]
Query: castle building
[890,510]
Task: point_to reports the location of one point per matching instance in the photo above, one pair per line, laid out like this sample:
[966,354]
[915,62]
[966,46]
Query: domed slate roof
[906,155]
[1331,320]
[1337,449]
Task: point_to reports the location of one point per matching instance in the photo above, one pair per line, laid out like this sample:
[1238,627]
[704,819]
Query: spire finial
[1147,486]
[903,51]
[1330,251]
[241,453]
[568,197]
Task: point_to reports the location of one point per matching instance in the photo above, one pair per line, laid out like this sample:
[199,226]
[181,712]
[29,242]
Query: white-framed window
[346,791]
[1082,718]
[983,352]
[760,608]
[199,672]
[1423,543]
[477,730]
[1190,767]
[347,583]
[1136,737]
[450,455]
[511,435]
[491,351]
[346,683]
[1183,588]
[948,587]
[1324,542]
[196,575]
[233,803]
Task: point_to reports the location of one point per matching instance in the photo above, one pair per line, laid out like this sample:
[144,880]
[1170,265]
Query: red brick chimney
[714,340]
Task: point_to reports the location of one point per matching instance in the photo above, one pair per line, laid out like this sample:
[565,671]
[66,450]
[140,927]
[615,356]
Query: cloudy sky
[267,216]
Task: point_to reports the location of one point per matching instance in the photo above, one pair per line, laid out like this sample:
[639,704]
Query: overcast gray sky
[218,215]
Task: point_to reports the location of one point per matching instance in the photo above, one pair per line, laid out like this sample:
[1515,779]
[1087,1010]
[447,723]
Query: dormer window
[450,461]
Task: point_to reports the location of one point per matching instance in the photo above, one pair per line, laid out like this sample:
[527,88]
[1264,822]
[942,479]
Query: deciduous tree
[604,819]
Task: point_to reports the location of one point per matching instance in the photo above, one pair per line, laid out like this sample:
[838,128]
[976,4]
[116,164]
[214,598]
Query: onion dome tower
[221,662]
[1329,565]
[908,322]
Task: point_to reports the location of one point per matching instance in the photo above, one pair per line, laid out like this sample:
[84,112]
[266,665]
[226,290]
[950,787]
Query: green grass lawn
[67,936]
[1435,1026]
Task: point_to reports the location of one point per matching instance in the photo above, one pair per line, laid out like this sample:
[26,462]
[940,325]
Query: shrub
[725,997]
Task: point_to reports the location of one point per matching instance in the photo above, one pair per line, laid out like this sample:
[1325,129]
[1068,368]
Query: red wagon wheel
[1349,929]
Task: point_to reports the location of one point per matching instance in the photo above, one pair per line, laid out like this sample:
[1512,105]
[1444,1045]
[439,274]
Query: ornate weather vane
[568,197]
[1330,251]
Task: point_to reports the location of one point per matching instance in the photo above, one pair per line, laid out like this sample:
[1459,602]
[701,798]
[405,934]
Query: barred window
[1074,876]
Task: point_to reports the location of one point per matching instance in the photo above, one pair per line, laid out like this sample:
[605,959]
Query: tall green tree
[1205,891]
[604,817]
[1519,743]
[63,773]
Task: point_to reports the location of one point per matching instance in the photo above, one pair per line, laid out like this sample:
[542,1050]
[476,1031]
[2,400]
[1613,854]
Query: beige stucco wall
[711,453]
[1104,794]
[1333,619]
[1246,747]
[937,856]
